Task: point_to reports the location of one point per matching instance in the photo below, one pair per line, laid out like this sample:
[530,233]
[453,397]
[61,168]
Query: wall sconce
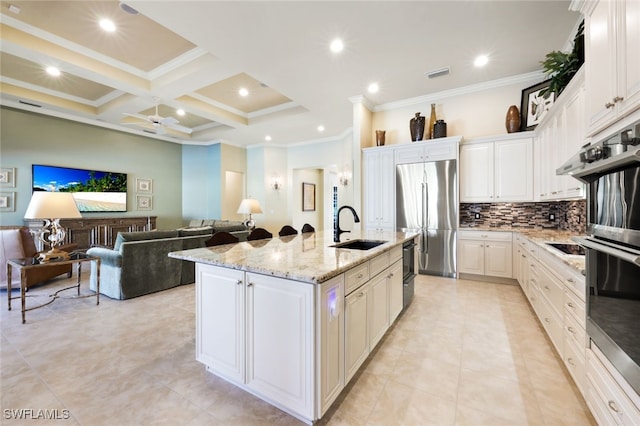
[276,184]
[344,176]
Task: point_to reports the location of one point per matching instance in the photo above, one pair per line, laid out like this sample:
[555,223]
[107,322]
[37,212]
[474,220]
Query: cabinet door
[498,259]
[220,325]
[573,137]
[476,172]
[280,341]
[378,305]
[629,46]
[330,341]
[414,153]
[513,170]
[395,290]
[471,256]
[600,62]
[355,330]
[379,190]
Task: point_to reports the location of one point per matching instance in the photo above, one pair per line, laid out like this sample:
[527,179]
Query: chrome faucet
[336,227]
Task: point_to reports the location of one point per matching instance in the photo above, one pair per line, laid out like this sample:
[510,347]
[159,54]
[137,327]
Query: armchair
[17,243]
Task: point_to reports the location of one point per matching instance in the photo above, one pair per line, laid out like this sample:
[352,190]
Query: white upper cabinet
[379,194]
[496,171]
[558,138]
[612,43]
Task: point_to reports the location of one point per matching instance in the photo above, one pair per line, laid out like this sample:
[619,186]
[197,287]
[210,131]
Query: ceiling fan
[157,123]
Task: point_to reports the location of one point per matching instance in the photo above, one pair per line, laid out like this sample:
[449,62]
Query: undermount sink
[359,244]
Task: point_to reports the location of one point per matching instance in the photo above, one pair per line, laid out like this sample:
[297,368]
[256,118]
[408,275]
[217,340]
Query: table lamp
[52,206]
[249,206]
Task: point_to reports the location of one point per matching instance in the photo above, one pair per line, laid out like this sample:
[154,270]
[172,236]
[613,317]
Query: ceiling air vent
[437,73]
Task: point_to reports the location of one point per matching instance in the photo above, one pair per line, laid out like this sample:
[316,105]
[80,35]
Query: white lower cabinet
[378,305]
[395,291]
[355,329]
[330,332]
[262,342]
[609,401]
[485,253]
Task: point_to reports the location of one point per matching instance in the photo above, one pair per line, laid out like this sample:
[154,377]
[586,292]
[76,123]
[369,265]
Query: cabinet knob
[361,294]
[239,282]
[613,406]
[249,284]
[609,105]
[571,330]
[570,280]
[359,276]
[570,361]
[546,287]
[547,320]
[618,99]
[569,304]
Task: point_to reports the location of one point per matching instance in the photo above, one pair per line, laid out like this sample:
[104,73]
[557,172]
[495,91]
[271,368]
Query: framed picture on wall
[144,202]
[7,201]
[8,176]
[144,186]
[534,106]
[308,197]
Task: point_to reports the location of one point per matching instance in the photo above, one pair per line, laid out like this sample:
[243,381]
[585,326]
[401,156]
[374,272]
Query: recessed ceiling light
[107,25]
[373,88]
[481,61]
[180,112]
[321,128]
[243,92]
[337,45]
[53,71]
[267,138]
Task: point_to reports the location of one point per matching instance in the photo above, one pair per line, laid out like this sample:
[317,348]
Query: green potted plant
[562,66]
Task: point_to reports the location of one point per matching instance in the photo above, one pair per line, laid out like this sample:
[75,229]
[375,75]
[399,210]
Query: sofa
[139,263]
[234,227]
[17,242]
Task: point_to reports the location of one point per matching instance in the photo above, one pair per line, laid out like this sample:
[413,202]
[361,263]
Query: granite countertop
[304,257]
[540,237]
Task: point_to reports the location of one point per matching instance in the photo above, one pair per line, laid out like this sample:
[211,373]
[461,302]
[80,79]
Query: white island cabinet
[291,320]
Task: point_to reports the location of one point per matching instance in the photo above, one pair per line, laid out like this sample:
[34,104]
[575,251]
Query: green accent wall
[28,138]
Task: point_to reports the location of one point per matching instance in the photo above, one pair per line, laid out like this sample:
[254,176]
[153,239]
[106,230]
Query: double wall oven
[611,170]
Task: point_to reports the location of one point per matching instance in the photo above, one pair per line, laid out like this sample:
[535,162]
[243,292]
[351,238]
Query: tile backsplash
[567,215]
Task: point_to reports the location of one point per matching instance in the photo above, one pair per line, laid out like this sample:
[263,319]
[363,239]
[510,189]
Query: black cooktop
[575,249]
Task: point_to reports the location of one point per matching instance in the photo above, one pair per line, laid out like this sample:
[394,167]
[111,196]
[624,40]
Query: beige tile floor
[464,353]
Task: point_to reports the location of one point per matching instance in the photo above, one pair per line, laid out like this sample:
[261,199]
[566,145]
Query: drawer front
[574,359]
[551,289]
[551,323]
[575,307]
[395,254]
[355,277]
[466,234]
[575,281]
[378,264]
[575,334]
[608,393]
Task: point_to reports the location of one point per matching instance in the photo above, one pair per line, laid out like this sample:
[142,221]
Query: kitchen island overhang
[291,319]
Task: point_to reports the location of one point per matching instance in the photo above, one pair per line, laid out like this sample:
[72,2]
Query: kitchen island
[291,319]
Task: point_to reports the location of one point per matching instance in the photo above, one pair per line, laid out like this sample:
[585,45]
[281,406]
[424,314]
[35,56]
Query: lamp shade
[249,206]
[52,205]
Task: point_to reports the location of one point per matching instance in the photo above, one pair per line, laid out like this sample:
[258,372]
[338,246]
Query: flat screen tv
[93,190]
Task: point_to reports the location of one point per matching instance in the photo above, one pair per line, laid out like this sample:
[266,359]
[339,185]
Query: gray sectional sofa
[139,263]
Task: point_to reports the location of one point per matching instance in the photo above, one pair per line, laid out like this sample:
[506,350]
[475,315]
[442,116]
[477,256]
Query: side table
[24,264]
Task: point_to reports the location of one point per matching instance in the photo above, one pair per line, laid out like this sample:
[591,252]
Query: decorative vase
[512,121]
[380,137]
[440,129]
[416,126]
[432,120]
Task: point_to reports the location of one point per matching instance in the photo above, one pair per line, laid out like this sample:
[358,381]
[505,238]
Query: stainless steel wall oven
[611,169]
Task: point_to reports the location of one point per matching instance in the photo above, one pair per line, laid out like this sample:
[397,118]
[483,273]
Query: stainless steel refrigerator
[427,202]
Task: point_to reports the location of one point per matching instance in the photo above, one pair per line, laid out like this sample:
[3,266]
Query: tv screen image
[93,190]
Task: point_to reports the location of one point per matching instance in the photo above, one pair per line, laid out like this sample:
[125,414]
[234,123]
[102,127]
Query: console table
[99,231]
[26,263]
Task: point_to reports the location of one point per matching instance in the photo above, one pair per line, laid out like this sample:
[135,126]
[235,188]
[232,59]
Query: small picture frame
[144,202]
[534,106]
[7,201]
[8,176]
[308,197]
[144,186]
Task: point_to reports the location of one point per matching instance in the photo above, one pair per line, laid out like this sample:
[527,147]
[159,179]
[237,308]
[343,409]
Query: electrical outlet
[552,216]
[477,215]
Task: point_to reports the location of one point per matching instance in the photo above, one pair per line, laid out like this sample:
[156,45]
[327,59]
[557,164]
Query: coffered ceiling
[197,55]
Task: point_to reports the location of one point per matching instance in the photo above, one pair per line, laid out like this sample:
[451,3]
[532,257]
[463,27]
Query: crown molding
[528,78]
